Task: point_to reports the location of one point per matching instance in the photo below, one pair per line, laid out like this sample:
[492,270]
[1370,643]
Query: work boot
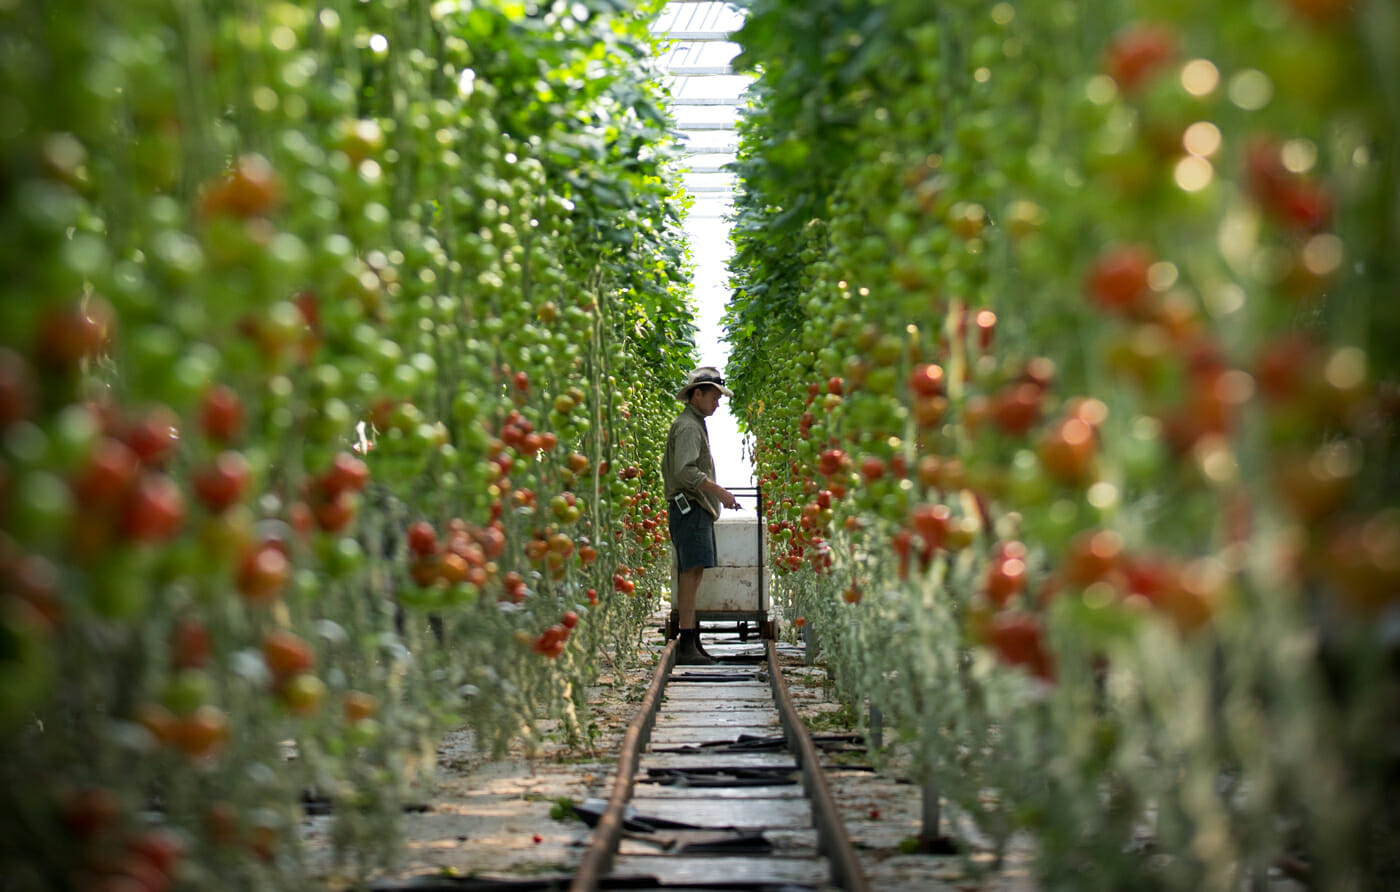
[688,651]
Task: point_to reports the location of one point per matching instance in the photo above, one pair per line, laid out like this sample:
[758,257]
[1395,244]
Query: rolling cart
[737,589]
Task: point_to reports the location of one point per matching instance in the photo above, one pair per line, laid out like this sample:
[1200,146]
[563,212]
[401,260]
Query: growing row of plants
[1083,461]
[334,350]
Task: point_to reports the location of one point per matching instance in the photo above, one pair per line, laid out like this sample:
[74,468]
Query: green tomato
[364,732]
[188,690]
[1027,486]
[74,432]
[341,555]
[120,585]
[43,507]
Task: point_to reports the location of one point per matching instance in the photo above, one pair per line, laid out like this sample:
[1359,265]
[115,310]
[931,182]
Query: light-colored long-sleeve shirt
[688,462]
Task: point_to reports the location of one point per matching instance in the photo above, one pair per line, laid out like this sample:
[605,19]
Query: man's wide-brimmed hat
[706,374]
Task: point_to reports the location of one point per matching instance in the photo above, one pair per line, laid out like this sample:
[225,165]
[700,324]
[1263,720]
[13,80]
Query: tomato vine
[333,341]
[1080,453]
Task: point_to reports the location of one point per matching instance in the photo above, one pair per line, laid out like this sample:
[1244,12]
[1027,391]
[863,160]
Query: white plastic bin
[738,587]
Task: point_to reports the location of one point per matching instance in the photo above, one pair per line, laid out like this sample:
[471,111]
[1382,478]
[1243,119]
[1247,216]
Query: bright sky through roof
[706,99]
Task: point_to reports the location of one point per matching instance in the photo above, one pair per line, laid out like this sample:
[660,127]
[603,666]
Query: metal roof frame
[696,30]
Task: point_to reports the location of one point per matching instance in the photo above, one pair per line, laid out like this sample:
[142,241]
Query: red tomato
[425,570]
[422,538]
[347,474]
[263,573]
[221,414]
[986,323]
[221,823]
[154,436]
[334,514]
[1092,556]
[154,510]
[1016,408]
[286,654]
[831,462]
[1019,640]
[1287,197]
[1192,597]
[929,411]
[190,644]
[1362,558]
[570,619]
[1117,281]
[1305,205]
[34,579]
[1309,486]
[931,522]
[492,539]
[202,732]
[927,379]
[535,550]
[1146,576]
[161,847]
[1139,52]
[67,335]
[1040,371]
[301,518]
[18,392]
[107,475]
[222,485]
[91,811]
[1067,450]
[929,470]
[872,468]
[900,543]
[358,706]
[251,189]
[1283,367]
[1323,12]
[1006,577]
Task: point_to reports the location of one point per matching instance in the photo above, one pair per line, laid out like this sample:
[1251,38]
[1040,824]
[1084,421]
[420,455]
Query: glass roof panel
[705,100]
[698,15]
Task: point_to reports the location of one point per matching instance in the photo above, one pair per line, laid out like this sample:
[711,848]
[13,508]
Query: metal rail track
[722,806]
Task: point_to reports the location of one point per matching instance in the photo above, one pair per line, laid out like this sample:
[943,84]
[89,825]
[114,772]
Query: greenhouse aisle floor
[492,818]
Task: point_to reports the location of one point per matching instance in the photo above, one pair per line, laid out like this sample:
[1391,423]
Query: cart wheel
[768,630]
[743,630]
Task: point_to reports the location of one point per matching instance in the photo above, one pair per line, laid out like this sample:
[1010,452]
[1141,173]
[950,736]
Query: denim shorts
[693,535]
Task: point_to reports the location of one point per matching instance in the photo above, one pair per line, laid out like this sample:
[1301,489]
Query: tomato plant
[1060,287]
[319,320]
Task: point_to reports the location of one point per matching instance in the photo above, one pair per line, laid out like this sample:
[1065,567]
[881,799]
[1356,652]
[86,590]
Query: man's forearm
[709,486]
[726,498]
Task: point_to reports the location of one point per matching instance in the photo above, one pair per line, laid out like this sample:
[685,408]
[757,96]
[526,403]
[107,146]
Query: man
[694,499]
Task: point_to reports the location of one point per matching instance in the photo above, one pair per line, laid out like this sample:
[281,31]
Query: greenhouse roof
[706,95]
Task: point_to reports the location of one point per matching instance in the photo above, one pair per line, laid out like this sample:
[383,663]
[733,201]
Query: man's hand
[726,498]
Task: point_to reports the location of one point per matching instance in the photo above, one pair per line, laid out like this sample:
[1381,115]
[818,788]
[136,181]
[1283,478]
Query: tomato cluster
[321,333]
[1091,407]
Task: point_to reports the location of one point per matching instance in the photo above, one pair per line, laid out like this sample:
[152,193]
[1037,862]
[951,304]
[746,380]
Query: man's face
[705,400]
